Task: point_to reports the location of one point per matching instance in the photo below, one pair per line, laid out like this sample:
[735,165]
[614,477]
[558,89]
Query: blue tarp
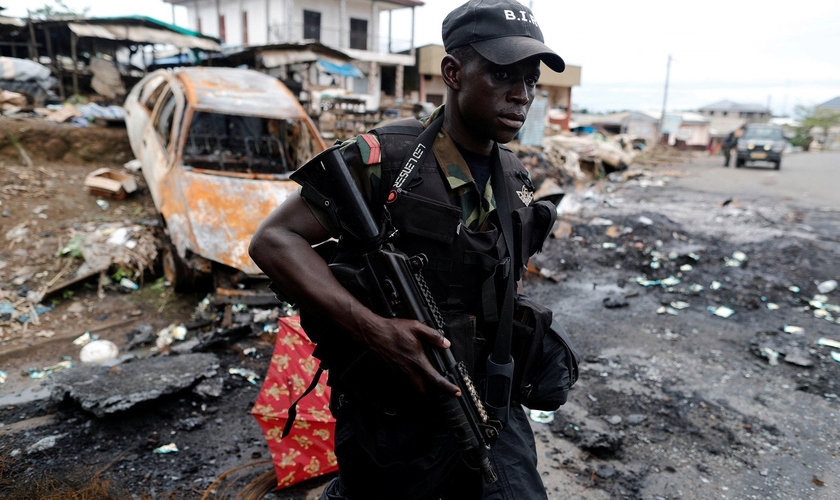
[345,69]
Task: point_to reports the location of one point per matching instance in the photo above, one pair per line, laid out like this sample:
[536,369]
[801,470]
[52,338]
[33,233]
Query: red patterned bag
[309,450]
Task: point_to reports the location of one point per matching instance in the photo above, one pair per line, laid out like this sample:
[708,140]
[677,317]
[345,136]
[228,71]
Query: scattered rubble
[102,390]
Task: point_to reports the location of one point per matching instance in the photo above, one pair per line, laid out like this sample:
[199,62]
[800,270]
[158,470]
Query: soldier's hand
[400,343]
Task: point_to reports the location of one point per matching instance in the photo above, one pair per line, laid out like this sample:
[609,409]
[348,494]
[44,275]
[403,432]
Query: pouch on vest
[426,217]
[546,365]
[531,226]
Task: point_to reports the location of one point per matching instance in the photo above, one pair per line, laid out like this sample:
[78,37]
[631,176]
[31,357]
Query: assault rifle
[393,286]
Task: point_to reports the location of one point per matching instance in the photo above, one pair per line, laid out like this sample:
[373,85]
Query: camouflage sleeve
[362,156]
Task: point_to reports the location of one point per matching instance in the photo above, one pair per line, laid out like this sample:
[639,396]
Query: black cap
[502,31]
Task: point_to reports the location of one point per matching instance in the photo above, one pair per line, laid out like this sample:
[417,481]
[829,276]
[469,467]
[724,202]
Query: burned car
[761,142]
[217,146]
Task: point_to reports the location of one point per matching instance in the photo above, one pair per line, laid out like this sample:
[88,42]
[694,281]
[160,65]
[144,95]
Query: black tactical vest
[466,271]
[462,263]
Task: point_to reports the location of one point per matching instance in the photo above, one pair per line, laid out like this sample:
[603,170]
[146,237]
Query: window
[222,34]
[252,144]
[244,28]
[164,119]
[358,34]
[151,92]
[312,25]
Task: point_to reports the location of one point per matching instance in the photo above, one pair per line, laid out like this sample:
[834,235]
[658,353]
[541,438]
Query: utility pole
[665,98]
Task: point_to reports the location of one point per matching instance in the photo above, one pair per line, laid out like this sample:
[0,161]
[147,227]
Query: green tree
[809,119]
[58,9]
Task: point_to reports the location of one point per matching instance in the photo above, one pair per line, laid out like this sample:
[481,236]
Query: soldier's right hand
[400,343]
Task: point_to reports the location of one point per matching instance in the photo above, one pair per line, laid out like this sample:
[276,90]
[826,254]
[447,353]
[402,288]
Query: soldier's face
[494,100]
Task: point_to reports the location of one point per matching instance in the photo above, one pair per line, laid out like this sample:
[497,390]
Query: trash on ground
[134,165]
[669,310]
[128,284]
[794,289]
[170,334]
[249,351]
[644,220]
[600,221]
[716,285]
[827,286]
[835,356]
[679,305]
[104,205]
[646,282]
[670,281]
[99,351]
[3,376]
[794,330]
[248,375]
[722,311]
[83,339]
[696,288]
[608,244]
[686,267]
[109,183]
[542,417]
[39,374]
[772,306]
[737,259]
[167,448]
[828,342]
[771,355]
[44,444]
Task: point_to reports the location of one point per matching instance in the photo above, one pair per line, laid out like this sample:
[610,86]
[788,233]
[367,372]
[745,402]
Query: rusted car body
[217,146]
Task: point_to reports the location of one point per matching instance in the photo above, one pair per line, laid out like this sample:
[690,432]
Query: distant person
[730,142]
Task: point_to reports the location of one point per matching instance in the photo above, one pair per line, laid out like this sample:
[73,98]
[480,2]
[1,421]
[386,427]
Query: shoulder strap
[287,428]
[500,362]
[414,157]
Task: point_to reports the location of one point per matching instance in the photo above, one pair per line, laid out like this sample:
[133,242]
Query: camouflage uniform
[475,208]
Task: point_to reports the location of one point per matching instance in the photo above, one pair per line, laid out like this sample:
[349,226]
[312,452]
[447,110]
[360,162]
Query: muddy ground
[684,406]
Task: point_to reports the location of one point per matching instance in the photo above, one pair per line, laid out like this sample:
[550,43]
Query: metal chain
[427,294]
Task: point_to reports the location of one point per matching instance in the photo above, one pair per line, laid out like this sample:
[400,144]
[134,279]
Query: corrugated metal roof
[11,21]
[832,104]
[735,106]
[239,92]
[142,34]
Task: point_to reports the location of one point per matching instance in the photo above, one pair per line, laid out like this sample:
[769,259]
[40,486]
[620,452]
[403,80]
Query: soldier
[389,443]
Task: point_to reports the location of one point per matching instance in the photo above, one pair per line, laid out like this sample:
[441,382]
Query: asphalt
[810,179]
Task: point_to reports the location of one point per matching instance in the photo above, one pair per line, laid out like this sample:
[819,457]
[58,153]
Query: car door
[160,138]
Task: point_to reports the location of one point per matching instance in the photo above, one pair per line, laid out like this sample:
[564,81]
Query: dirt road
[718,420]
[673,402]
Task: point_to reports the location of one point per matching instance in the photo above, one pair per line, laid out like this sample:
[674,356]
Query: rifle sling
[414,158]
[287,428]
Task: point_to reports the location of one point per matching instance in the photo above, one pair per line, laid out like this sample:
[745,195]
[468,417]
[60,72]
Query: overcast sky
[744,50]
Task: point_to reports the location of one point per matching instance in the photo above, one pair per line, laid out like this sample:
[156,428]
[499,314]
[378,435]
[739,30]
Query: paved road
[812,179]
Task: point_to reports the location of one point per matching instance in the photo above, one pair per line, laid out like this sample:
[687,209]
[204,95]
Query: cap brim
[511,49]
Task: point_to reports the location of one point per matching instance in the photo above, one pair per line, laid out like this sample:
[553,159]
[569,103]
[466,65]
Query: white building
[358,28]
